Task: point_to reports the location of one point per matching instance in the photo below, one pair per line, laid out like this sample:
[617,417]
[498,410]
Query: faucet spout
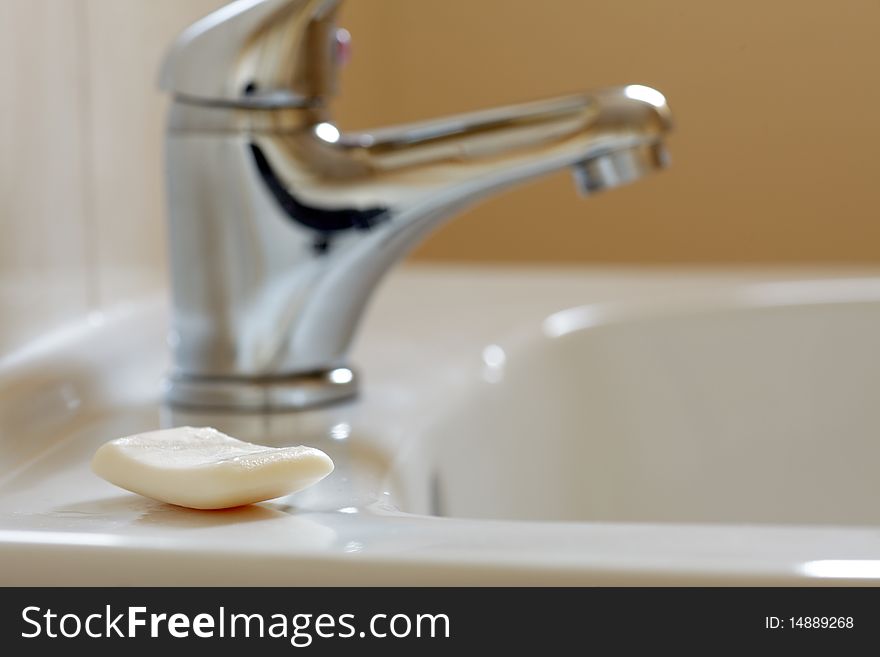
[282,225]
[609,137]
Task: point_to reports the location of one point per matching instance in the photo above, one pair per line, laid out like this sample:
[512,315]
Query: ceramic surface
[519,426]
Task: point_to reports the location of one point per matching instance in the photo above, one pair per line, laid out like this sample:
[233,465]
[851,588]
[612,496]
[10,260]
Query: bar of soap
[202,468]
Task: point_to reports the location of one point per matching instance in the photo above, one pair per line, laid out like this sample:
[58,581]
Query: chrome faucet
[281,226]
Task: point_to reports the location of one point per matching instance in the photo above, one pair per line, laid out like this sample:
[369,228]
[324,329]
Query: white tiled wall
[44,209]
[81,123]
[126,40]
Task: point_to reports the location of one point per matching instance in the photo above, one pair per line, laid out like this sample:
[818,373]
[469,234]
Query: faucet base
[288,393]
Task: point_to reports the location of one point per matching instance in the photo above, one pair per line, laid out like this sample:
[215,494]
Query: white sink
[753,405]
[516,427]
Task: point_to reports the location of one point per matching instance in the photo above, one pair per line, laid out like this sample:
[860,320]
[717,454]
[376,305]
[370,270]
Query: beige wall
[776,106]
[773,158]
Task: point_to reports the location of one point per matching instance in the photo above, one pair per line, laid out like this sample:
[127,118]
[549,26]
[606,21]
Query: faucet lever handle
[257,53]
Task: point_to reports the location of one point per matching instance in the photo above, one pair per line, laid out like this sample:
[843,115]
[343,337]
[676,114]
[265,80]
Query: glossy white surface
[752,405]
[659,418]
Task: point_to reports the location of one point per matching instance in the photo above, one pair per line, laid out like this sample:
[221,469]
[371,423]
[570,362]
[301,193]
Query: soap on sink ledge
[202,468]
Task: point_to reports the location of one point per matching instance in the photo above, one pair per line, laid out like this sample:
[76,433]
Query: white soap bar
[202,468]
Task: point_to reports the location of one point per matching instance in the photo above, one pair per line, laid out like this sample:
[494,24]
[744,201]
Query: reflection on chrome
[281,226]
[328,132]
[341,375]
[646,94]
[843,568]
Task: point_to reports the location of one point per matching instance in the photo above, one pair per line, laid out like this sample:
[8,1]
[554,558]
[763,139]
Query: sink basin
[516,426]
[757,405]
